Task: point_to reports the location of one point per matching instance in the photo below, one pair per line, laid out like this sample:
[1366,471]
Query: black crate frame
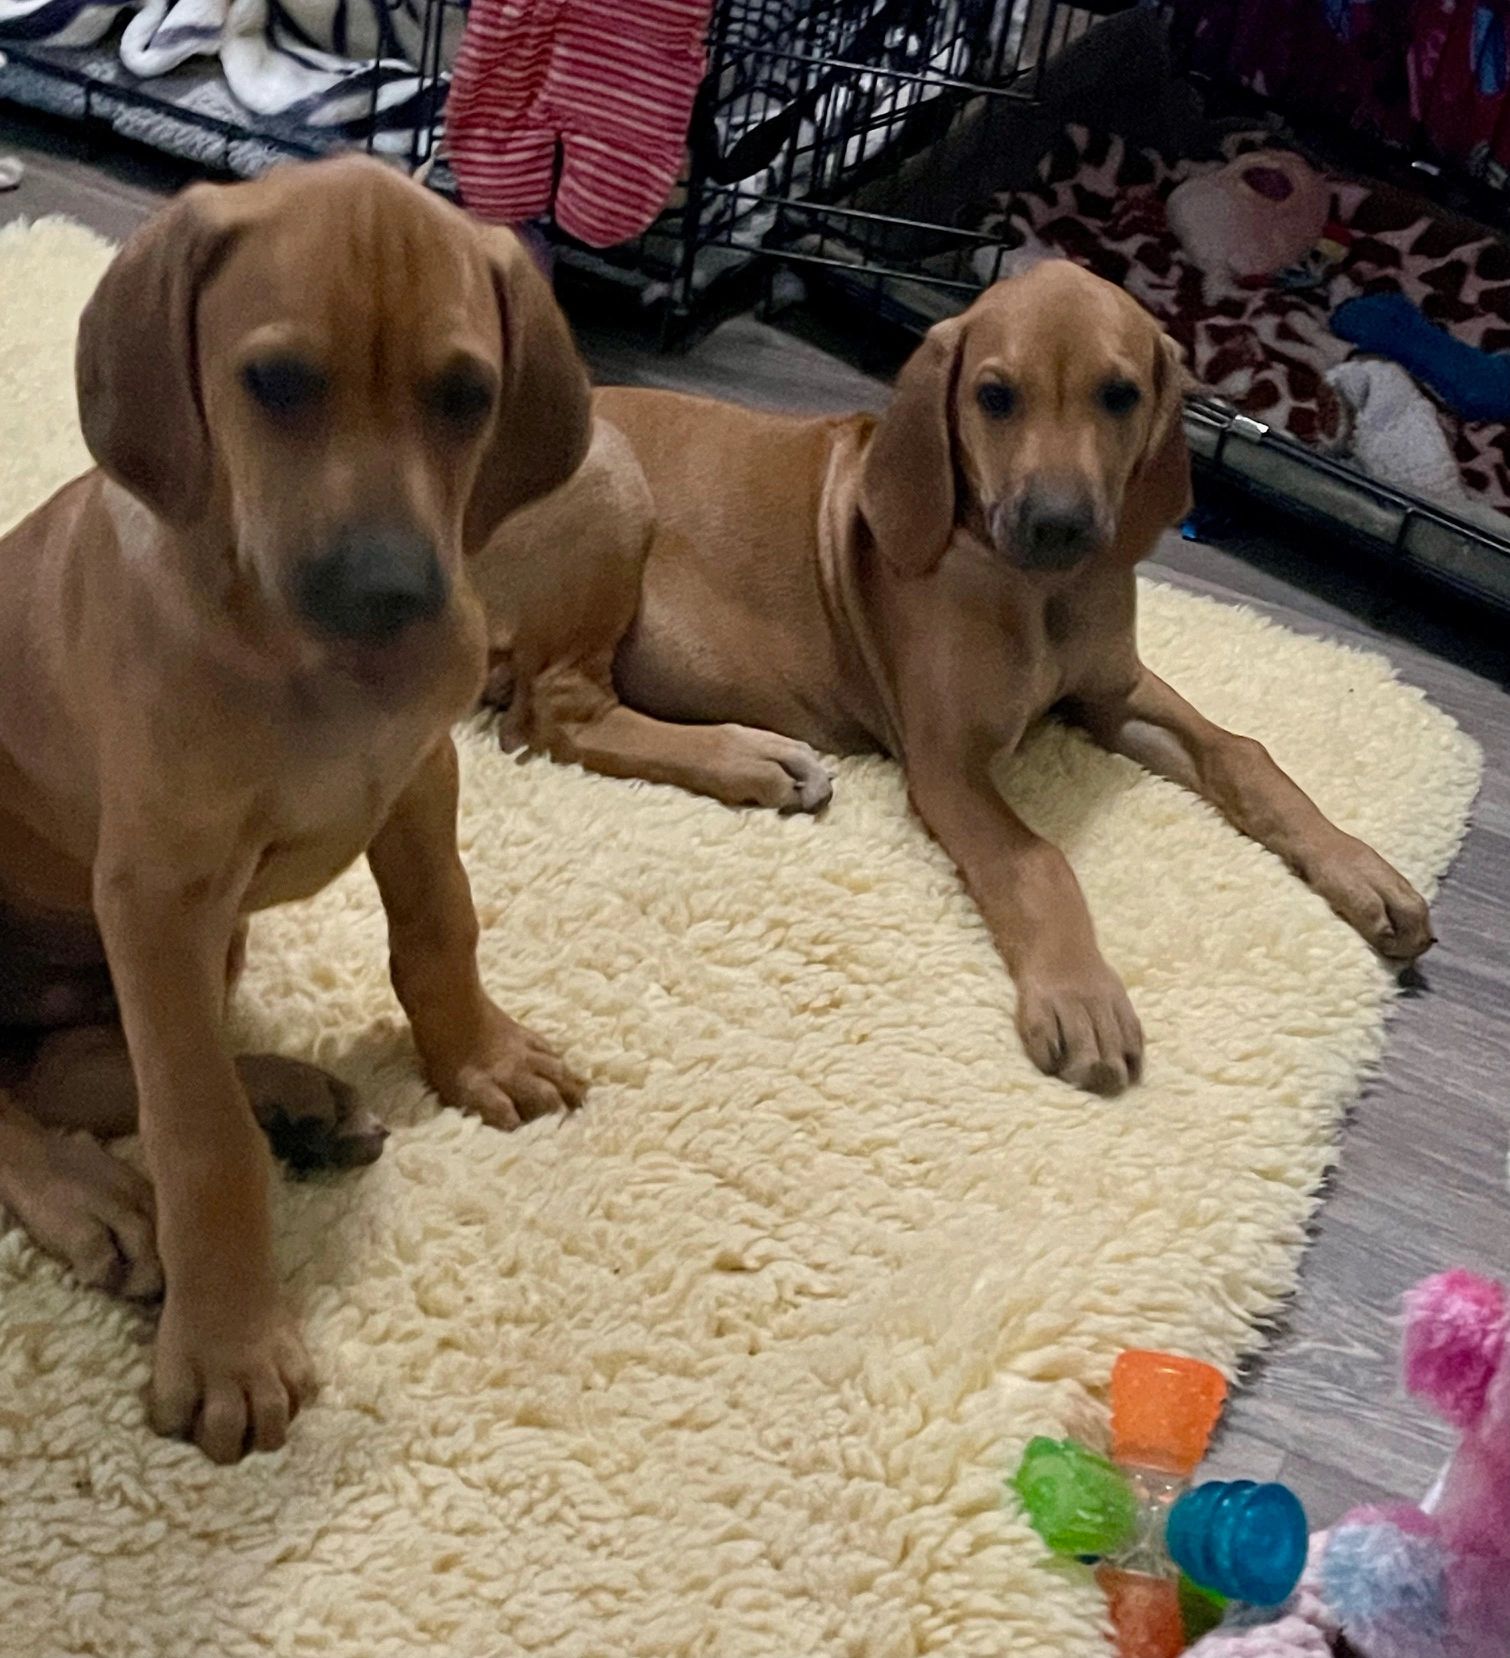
[866,86]
[804,214]
[849,250]
[822,48]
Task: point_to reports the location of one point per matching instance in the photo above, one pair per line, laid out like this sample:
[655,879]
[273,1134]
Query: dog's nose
[371,583]
[1054,529]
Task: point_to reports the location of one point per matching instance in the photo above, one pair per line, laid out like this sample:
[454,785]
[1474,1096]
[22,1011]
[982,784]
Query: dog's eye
[463,397]
[284,386]
[997,398]
[1120,397]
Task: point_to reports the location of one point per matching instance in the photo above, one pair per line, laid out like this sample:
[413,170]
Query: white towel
[1397,438]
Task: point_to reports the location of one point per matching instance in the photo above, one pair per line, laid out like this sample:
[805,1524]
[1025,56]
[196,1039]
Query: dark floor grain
[1422,1183]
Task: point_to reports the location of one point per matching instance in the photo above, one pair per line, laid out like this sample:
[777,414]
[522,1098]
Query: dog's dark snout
[371,583]
[1054,528]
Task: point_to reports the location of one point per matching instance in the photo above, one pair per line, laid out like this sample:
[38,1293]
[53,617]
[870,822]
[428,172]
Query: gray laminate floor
[1422,1183]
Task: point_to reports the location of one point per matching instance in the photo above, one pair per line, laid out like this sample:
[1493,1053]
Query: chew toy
[1164,1551]
[1473,383]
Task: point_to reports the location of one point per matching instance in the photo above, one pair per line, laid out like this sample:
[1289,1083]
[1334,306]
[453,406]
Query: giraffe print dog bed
[1266,349]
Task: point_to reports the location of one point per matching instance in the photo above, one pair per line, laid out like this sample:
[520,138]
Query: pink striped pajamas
[608,84]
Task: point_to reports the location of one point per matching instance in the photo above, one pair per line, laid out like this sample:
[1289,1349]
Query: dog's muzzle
[371,584]
[1048,529]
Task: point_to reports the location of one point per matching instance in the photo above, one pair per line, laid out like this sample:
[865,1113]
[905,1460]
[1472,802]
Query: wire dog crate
[835,138]
[839,141]
[809,104]
[805,102]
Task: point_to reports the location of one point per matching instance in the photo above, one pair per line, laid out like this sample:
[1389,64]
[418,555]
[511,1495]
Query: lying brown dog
[929,585]
[229,662]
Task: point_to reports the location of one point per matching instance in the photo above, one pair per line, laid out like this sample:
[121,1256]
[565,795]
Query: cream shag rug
[731,1364]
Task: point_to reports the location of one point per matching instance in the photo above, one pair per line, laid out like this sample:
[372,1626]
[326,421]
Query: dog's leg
[1160,730]
[555,630]
[475,1057]
[1073,1013]
[77,1202]
[81,1079]
[229,1368]
[737,764]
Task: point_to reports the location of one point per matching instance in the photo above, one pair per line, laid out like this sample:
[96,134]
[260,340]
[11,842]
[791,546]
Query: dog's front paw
[91,1211]
[762,768]
[229,1390]
[312,1119]
[508,1076]
[1375,899]
[1077,1023]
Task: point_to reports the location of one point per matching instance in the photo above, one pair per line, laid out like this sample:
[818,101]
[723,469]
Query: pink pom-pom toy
[1307,1628]
[1385,1573]
[1409,1582]
[1455,1328]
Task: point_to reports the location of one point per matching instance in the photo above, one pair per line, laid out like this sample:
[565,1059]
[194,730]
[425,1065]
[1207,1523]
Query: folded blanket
[338,66]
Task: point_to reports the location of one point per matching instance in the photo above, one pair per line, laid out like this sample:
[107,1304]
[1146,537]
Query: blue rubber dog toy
[1473,383]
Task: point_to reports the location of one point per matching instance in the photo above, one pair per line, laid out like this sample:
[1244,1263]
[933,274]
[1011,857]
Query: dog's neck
[847,560]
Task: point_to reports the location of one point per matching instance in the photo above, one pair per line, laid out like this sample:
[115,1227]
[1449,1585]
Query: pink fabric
[1431,74]
[577,108]
[1288,1637]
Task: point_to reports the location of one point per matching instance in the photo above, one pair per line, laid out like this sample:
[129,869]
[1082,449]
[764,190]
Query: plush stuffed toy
[1409,1582]
[1252,218]
[1374,413]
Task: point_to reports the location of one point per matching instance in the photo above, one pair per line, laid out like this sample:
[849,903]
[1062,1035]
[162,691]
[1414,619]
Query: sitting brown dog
[229,663]
[929,585]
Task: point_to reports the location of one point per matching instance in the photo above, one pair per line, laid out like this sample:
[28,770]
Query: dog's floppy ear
[136,367]
[1158,493]
[544,415]
[907,485]
[1171,381]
